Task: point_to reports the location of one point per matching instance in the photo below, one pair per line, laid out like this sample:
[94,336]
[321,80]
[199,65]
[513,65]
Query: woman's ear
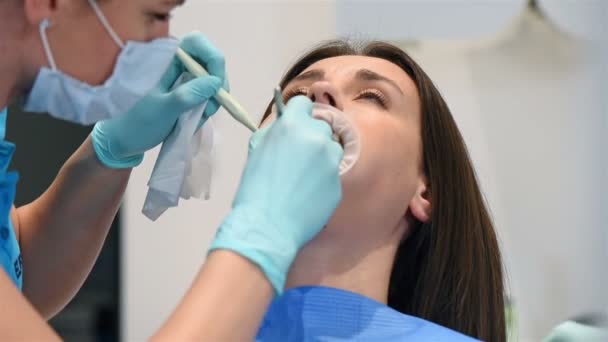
[420,205]
[38,10]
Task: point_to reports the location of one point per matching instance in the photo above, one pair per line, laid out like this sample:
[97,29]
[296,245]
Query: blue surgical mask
[139,67]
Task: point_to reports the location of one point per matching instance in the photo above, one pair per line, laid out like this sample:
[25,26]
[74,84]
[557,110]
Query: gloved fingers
[210,110]
[226,85]
[201,122]
[336,153]
[333,148]
[213,106]
[322,127]
[297,108]
[258,136]
[174,71]
[194,93]
[201,49]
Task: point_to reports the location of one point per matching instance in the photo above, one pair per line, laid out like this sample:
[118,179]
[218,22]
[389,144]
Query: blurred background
[527,82]
[93,315]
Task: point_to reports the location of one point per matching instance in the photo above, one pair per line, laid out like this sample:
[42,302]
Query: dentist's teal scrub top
[10,254]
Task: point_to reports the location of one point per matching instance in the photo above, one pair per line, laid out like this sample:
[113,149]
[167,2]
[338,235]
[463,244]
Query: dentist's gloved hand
[571,331]
[289,190]
[122,141]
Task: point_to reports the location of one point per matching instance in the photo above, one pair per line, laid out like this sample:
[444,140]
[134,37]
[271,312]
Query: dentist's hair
[448,270]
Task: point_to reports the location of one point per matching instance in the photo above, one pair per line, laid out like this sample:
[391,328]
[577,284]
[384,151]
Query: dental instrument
[278,101]
[222,96]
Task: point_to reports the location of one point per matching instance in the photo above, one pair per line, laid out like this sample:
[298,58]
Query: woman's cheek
[387,150]
[369,163]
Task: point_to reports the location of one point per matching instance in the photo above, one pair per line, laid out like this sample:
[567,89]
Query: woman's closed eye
[371,94]
[374,95]
[294,92]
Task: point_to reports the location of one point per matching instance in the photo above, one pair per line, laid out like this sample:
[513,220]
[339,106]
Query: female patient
[412,235]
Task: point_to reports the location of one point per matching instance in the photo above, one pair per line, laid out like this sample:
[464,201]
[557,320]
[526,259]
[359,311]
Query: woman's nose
[324,92]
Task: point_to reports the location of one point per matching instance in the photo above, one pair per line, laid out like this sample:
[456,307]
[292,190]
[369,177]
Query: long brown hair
[448,270]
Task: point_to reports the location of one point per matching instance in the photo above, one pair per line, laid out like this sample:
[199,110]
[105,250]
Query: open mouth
[345,133]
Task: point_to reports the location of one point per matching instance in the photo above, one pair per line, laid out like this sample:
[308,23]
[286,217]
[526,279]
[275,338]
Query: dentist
[111,63]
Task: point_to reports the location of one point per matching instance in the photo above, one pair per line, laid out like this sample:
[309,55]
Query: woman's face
[79,41]
[386,185]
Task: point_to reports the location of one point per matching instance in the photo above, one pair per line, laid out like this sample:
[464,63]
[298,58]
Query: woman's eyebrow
[368,75]
[361,75]
[310,75]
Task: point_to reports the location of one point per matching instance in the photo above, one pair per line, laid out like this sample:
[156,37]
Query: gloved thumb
[258,136]
[194,93]
[298,107]
[212,107]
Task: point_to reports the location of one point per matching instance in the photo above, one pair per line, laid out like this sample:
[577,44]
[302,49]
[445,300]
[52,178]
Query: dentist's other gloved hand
[289,190]
[121,142]
[571,331]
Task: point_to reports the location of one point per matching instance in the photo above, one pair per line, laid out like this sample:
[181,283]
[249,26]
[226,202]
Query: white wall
[535,125]
[542,108]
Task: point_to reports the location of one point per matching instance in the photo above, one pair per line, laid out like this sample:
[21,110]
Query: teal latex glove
[289,190]
[122,141]
[570,331]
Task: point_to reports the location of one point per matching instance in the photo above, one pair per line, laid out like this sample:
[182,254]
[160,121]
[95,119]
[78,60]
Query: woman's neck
[355,264]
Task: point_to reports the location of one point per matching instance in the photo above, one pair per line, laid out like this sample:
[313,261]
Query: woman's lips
[345,133]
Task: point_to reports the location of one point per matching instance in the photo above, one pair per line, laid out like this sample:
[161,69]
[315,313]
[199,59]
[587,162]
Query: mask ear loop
[44,24]
[106,24]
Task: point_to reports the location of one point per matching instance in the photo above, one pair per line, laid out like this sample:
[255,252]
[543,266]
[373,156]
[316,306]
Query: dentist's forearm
[226,302]
[20,322]
[61,233]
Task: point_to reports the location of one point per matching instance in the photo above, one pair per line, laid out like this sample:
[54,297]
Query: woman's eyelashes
[289,93]
[373,95]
